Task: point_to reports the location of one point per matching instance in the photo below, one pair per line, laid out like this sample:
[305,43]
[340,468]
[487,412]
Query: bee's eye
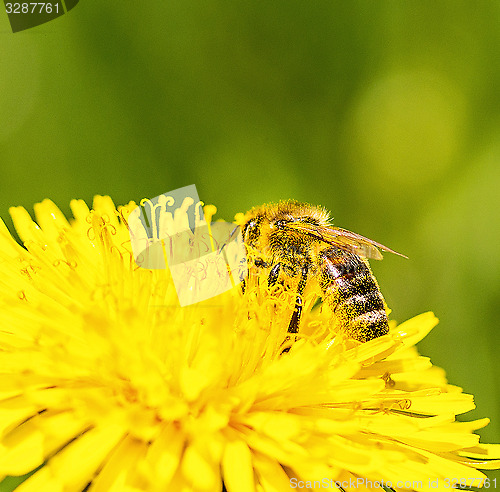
[249,228]
[250,225]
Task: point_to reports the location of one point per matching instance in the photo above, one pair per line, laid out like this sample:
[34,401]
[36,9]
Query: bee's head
[272,224]
[252,229]
[280,223]
[263,230]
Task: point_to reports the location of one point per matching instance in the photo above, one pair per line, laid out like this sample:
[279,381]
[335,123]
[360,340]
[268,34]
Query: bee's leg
[256,262]
[260,263]
[293,327]
[273,275]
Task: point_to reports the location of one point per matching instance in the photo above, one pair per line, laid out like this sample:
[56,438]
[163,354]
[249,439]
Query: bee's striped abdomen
[353,294]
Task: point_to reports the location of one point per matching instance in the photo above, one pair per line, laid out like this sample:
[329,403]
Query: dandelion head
[106,384]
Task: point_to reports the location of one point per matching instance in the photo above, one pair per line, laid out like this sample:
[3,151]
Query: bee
[297,245]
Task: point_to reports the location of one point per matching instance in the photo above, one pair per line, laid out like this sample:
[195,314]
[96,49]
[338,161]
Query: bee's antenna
[229,239]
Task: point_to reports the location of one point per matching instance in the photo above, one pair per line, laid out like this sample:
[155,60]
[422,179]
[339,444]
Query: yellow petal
[25,227]
[270,474]
[237,467]
[8,247]
[120,470]
[415,329]
[42,481]
[443,403]
[15,411]
[482,451]
[164,455]
[50,219]
[74,466]
[199,469]
[28,445]
[104,206]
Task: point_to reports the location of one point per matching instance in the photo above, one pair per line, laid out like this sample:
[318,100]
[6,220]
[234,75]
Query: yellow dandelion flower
[106,384]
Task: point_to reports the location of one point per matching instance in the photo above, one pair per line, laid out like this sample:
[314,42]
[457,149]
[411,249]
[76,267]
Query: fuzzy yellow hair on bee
[296,244]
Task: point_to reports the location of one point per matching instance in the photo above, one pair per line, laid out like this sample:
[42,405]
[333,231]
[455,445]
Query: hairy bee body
[352,292]
[298,245]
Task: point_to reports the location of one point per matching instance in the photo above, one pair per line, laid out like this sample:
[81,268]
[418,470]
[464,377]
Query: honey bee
[297,244]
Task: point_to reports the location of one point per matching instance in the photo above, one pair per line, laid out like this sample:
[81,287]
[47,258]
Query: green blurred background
[387,113]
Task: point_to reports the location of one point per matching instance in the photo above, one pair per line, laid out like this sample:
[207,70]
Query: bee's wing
[346,240]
